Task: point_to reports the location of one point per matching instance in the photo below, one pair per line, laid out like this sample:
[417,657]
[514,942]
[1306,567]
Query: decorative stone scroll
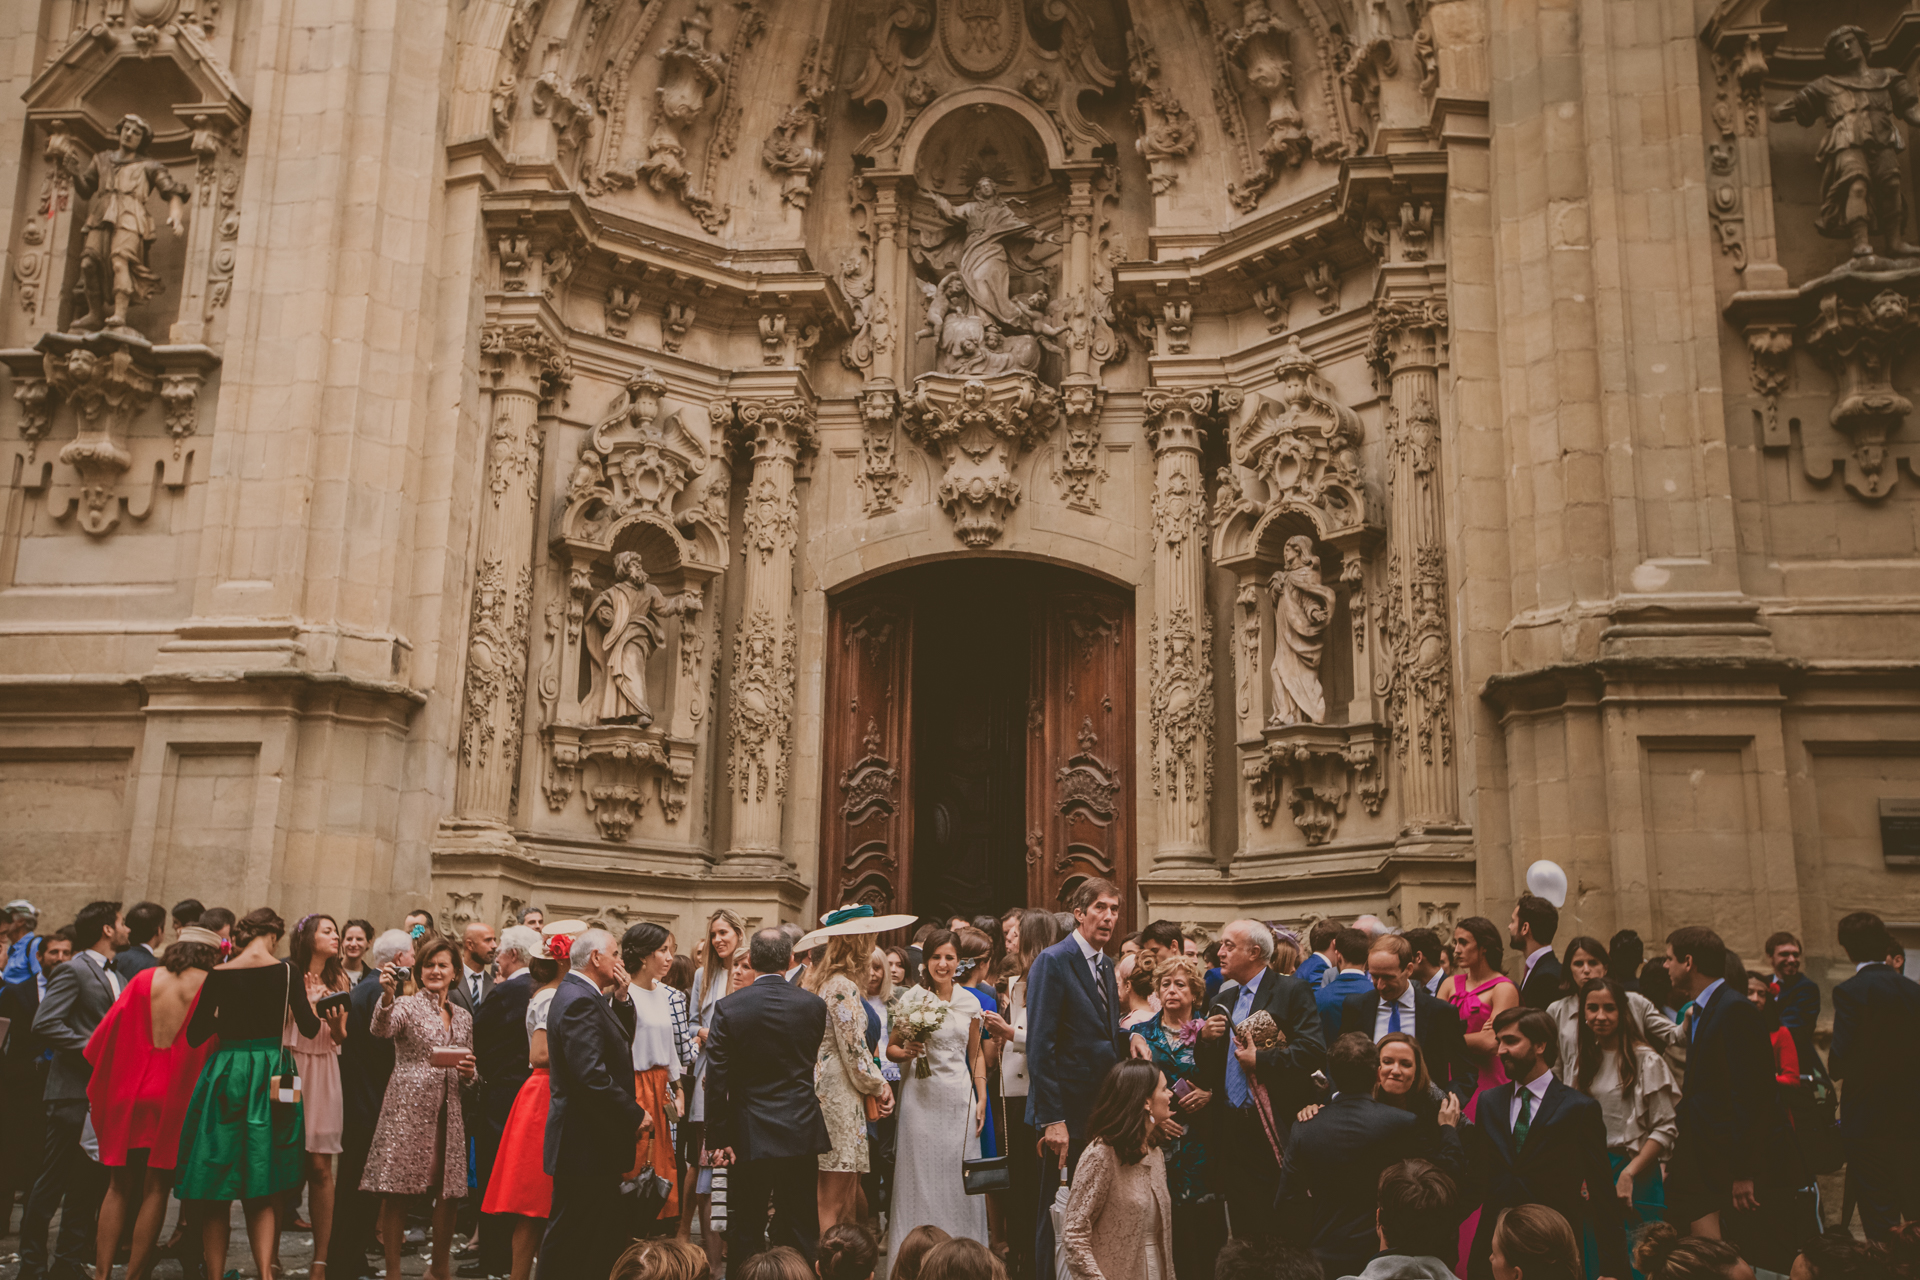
[1314,769]
[980,428]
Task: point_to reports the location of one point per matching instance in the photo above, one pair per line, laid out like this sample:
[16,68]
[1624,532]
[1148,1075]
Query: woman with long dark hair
[144,1072]
[239,1142]
[1638,1098]
[316,959]
[941,1112]
[1587,960]
[1119,1219]
[726,941]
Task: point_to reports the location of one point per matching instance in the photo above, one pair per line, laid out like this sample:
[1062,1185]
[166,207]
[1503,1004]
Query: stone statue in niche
[988,225]
[976,346]
[624,621]
[1303,609]
[1861,187]
[119,228]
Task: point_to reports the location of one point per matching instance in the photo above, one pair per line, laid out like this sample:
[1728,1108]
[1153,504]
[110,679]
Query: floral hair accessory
[226,946]
[559,946]
[303,921]
[1190,1030]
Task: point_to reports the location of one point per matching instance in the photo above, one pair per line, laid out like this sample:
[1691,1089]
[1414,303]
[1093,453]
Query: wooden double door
[978,742]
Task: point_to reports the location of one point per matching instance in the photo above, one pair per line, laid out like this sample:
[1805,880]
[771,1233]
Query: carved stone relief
[979,428]
[1167,133]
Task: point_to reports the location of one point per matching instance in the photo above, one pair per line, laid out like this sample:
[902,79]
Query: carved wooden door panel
[866,816]
[1080,783]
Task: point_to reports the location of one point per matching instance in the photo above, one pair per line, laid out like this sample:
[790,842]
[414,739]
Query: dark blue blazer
[1566,1149]
[1285,1069]
[1312,970]
[594,1116]
[1436,1027]
[1798,1004]
[1331,999]
[1876,1038]
[760,1057]
[366,1060]
[1070,1044]
[1729,1109]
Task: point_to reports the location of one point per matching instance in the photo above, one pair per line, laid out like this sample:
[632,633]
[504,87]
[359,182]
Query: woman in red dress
[520,1184]
[143,1076]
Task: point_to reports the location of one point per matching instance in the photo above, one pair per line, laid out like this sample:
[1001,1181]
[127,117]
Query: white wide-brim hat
[849,921]
[572,928]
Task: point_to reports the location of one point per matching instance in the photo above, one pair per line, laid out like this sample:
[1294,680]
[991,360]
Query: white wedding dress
[936,1135]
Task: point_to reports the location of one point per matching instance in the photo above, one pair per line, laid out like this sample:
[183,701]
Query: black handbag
[989,1173]
[646,1194]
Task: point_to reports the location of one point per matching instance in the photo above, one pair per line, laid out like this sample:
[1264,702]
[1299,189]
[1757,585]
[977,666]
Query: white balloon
[1546,880]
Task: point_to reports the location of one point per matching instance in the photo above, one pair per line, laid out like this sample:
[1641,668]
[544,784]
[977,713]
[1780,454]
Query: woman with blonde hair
[844,1072]
[1171,1042]
[725,939]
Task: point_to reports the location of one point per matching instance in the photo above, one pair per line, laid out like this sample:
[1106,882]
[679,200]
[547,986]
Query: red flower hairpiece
[559,946]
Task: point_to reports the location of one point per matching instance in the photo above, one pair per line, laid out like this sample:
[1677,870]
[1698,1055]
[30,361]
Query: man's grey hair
[1259,937]
[586,944]
[388,947]
[1371,925]
[519,940]
[528,910]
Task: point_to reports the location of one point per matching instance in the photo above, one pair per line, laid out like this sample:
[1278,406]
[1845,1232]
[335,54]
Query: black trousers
[1885,1181]
[496,1230]
[1248,1171]
[1022,1200]
[1199,1230]
[588,1229]
[70,1182]
[790,1186]
[354,1210]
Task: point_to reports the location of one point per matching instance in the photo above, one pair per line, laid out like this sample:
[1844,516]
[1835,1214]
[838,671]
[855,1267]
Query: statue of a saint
[625,626]
[985,268]
[1860,191]
[1304,608]
[119,227]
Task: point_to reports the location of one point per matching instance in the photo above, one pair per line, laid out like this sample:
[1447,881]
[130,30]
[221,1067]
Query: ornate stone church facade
[1290,456]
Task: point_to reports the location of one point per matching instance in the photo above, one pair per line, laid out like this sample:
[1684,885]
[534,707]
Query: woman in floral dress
[845,1073]
[1168,1041]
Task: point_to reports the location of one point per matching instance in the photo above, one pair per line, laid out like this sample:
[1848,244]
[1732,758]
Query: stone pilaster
[1180,634]
[776,433]
[1410,612]
[525,364]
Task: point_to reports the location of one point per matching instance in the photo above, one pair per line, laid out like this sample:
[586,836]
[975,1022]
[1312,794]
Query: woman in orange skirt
[662,1049]
[520,1184]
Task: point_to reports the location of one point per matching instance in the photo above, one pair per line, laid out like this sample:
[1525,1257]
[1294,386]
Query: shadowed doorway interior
[978,749]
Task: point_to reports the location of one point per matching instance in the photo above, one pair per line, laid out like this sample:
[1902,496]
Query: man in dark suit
[1073,1037]
[1536,1141]
[1313,970]
[78,995]
[477,945]
[1247,1167]
[1535,921]
[1876,1039]
[1330,1176]
[1728,1101]
[24,1062]
[146,921]
[366,1063]
[763,1117]
[500,1048]
[1347,976]
[594,1120]
[1796,997]
[1397,1002]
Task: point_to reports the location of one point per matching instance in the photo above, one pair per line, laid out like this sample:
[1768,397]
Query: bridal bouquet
[917,1014]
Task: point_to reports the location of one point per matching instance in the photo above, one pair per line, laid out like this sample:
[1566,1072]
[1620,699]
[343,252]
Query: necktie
[1237,1091]
[1393,1018]
[476,988]
[1526,1115]
[1100,981]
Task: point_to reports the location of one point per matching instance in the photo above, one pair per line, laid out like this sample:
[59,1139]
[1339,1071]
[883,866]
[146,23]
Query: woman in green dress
[240,1143]
[1168,1041]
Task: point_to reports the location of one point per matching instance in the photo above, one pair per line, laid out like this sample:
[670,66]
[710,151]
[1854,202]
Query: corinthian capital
[1407,332]
[778,428]
[524,358]
[1178,417]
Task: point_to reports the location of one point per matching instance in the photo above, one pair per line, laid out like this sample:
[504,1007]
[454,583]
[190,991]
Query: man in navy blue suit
[1397,1002]
[1073,1037]
[1346,977]
[1537,1141]
[1729,1102]
[1876,1035]
[1796,997]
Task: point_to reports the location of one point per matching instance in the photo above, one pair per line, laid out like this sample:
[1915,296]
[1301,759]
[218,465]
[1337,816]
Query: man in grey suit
[79,993]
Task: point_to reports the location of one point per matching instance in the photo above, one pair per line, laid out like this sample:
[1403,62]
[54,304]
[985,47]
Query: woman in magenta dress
[144,1072]
[1478,990]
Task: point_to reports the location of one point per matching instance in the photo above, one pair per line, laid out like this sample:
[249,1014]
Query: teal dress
[238,1143]
[1188,1162]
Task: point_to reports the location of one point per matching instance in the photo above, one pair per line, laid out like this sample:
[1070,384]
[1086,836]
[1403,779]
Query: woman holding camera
[420,1144]
[316,958]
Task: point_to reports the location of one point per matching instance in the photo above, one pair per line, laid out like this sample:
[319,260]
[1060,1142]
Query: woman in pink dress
[1478,990]
[316,954]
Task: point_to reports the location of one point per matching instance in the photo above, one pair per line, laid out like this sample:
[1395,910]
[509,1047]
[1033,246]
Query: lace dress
[843,1074]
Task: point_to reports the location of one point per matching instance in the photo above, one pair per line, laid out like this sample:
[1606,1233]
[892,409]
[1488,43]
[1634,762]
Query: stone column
[776,433]
[1415,674]
[525,363]
[1180,633]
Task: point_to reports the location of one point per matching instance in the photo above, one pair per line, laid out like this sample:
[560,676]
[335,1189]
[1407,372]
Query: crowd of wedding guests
[1028,1096]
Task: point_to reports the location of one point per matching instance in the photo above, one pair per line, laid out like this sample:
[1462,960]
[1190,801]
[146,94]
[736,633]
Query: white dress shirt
[1433,983]
[1092,953]
[1385,1012]
[474,977]
[1539,1091]
[1700,1007]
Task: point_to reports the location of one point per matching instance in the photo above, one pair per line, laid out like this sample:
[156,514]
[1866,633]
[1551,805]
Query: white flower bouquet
[916,1013]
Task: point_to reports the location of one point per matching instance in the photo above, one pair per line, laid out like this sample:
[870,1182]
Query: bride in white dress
[941,1115]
